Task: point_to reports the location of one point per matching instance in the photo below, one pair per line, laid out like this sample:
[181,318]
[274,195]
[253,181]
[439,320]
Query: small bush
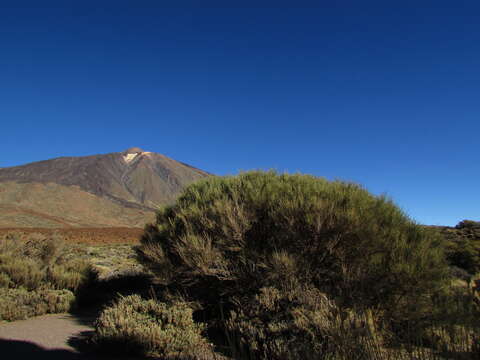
[71,275]
[22,271]
[146,327]
[20,303]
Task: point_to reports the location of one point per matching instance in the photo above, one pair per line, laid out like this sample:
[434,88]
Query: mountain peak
[112,189]
[133,150]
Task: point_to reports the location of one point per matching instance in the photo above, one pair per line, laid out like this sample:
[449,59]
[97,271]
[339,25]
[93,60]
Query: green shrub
[301,324]
[21,271]
[463,245]
[5,281]
[464,253]
[468,224]
[40,262]
[238,234]
[71,275]
[37,277]
[226,239]
[147,327]
[20,303]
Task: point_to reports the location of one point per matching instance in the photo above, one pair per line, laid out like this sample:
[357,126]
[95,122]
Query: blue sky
[384,93]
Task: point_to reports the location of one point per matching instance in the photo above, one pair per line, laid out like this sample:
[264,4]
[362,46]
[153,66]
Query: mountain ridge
[133,179]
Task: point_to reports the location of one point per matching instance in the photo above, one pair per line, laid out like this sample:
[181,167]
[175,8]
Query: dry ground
[49,337]
[92,236]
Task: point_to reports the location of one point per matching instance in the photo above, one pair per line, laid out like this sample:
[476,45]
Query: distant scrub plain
[89,235]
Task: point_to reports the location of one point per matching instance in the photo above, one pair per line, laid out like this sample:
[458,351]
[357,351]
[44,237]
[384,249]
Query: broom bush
[230,243]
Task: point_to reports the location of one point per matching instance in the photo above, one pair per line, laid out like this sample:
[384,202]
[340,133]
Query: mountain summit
[131,184]
[133,150]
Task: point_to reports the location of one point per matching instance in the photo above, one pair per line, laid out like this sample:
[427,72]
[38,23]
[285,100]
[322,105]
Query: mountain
[116,189]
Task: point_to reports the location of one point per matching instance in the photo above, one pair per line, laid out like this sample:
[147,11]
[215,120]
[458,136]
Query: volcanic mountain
[116,189]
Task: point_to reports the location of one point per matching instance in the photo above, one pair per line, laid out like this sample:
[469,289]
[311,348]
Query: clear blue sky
[384,93]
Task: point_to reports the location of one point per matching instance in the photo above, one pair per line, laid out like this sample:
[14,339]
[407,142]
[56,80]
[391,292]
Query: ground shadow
[97,294]
[11,349]
[81,342]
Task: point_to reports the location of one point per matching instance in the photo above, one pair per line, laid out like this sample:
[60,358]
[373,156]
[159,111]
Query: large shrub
[226,239]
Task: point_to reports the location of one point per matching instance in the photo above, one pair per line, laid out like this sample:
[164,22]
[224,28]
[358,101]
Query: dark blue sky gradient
[383,93]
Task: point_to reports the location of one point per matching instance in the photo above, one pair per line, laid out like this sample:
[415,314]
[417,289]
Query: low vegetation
[20,303]
[463,245]
[135,326]
[37,276]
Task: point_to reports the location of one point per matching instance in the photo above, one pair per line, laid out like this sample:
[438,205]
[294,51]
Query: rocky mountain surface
[116,189]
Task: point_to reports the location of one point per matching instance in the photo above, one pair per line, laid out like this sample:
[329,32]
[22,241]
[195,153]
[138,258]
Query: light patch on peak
[129,157]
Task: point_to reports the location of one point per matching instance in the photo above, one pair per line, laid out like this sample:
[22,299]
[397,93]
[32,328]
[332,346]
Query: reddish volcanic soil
[116,235]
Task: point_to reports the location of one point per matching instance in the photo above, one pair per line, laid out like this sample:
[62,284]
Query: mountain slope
[116,189]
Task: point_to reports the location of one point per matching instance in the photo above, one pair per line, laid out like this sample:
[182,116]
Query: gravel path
[48,331]
[44,337]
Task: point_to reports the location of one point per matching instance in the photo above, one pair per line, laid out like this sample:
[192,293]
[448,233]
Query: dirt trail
[49,337]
